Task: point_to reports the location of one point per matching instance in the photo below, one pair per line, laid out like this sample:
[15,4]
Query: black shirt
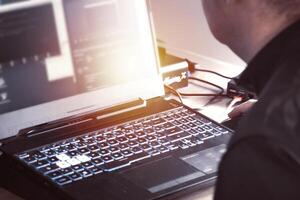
[263,157]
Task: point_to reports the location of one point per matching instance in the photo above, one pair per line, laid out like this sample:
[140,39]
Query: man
[263,158]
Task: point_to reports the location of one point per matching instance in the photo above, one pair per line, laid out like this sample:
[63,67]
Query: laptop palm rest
[163,174]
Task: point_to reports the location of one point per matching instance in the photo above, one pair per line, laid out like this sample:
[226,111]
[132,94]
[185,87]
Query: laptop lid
[62,58]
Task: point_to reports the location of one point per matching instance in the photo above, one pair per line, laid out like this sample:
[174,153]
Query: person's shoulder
[276,117]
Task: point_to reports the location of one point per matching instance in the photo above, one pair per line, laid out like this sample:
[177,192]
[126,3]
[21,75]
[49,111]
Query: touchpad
[162,174]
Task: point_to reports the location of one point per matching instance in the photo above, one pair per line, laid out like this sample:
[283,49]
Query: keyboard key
[136,150]
[122,139]
[48,169]
[103,145]
[158,128]
[66,171]
[151,137]
[74,161]
[112,142]
[104,152]
[138,157]
[185,127]
[164,141]
[158,121]
[62,157]
[107,158]
[93,155]
[83,158]
[206,127]
[168,125]
[113,149]
[141,140]
[75,176]
[193,132]
[191,125]
[117,155]
[101,139]
[140,134]
[182,145]
[160,135]
[90,141]
[176,123]
[50,152]
[205,136]
[112,166]
[80,144]
[131,136]
[83,150]
[70,147]
[85,173]
[200,130]
[123,146]
[77,168]
[204,120]
[179,136]
[93,147]
[132,143]
[53,159]
[30,159]
[149,131]
[199,123]
[191,119]
[172,131]
[145,146]
[73,153]
[38,155]
[119,133]
[96,170]
[40,163]
[154,144]
[196,140]
[183,121]
[87,164]
[63,180]
[97,161]
[54,174]
[63,164]
[127,152]
[109,136]
[162,149]
[215,132]
[219,128]
[172,146]
[60,150]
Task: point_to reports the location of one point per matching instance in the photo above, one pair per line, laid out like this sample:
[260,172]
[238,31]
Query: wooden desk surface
[201,195]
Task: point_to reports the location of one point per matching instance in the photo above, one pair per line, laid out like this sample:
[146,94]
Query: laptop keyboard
[120,146]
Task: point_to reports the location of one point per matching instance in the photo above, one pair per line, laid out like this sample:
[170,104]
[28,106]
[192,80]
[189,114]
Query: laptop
[82,108]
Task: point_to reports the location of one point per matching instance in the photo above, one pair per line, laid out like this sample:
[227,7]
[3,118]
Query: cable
[220,94]
[212,72]
[206,82]
[174,92]
[192,68]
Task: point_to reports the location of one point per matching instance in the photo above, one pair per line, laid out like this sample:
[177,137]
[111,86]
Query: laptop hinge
[84,118]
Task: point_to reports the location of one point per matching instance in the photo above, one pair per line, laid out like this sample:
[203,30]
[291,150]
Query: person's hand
[242,108]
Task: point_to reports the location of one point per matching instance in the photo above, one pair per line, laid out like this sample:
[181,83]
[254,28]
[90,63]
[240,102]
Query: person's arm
[258,169]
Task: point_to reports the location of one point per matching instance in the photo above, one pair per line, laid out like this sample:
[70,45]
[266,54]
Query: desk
[216,111]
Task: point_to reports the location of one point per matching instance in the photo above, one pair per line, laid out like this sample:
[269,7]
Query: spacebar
[117,164]
[138,157]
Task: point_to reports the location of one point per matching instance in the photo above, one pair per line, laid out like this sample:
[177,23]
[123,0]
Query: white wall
[182,26]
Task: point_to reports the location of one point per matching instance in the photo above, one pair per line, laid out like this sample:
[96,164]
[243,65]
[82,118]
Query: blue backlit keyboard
[113,148]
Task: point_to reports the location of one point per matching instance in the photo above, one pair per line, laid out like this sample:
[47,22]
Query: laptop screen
[62,58]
